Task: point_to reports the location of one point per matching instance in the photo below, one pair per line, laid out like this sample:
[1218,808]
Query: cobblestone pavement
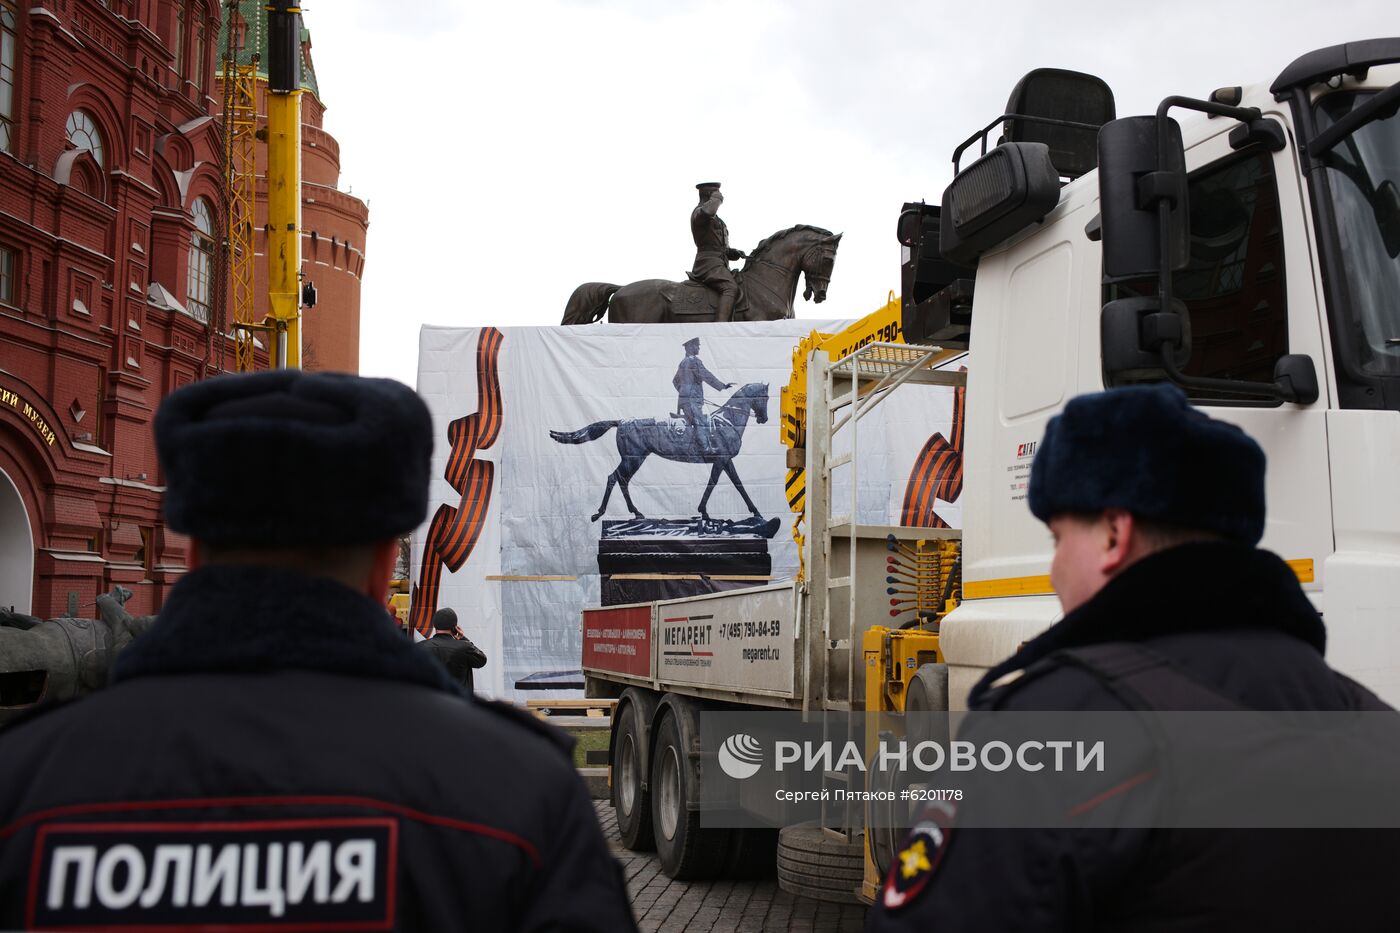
[665,906]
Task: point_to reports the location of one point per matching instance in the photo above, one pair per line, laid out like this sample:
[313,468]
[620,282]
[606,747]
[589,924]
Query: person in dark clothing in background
[1156,511]
[272,753]
[458,653]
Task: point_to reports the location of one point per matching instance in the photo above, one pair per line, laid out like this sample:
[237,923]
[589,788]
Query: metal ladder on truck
[839,395]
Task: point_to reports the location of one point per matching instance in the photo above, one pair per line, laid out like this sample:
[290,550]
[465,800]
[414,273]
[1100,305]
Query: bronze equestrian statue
[763,290]
[59,659]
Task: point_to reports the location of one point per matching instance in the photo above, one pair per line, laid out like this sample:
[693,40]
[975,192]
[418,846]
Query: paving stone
[662,905]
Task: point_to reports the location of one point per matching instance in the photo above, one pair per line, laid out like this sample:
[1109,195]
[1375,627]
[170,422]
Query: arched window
[201,261]
[84,134]
[9,56]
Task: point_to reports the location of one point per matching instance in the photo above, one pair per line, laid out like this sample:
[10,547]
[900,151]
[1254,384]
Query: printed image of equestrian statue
[660,558]
[763,290]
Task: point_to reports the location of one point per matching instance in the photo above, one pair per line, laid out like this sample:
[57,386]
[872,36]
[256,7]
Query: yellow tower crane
[240,175]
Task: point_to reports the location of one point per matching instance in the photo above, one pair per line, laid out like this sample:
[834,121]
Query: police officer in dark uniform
[690,380]
[713,254]
[272,753]
[1155,510]
[458,653]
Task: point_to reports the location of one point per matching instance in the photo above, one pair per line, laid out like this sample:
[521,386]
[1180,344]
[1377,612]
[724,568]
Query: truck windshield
[1364,176]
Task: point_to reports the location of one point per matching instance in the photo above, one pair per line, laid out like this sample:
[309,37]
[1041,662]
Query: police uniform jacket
[273,754]
[1235,622]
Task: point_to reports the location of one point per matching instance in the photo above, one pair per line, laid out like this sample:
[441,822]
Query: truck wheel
[686,851]
[631,801]
[926,705]
[813,864]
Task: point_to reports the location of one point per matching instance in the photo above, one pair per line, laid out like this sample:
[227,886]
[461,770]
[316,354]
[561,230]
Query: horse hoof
[596,516]
[639,516]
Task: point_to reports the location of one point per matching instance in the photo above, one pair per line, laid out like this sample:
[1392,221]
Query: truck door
[1249,290]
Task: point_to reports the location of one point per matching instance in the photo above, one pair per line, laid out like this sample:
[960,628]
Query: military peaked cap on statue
[692,344]
[1146,450]
[286,459]
[707,185]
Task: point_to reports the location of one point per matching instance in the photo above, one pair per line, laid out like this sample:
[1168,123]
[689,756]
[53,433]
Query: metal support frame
[240,167]
[873,372]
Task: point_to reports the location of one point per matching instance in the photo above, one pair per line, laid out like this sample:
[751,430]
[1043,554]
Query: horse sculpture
[58,659]
[671,438]
[767,286]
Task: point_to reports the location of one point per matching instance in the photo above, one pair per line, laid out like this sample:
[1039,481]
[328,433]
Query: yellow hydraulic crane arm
[284,180]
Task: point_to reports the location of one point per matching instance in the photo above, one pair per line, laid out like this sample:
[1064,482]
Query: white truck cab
[1273,299]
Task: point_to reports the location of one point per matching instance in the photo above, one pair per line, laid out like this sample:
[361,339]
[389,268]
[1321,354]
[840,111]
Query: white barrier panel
[530,423]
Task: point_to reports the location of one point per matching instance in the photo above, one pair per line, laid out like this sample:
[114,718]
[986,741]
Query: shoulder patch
[917,860]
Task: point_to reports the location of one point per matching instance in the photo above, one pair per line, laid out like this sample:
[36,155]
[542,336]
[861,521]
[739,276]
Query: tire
[631,800]
[881,821]
[753,854]
[686,852]
[926,720]
[812,864]
[927,696]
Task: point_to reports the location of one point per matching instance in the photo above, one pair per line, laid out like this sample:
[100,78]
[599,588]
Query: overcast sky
[511,151]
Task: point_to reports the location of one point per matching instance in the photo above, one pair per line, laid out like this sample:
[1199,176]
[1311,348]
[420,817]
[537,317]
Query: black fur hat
[291,459]
[1146,450]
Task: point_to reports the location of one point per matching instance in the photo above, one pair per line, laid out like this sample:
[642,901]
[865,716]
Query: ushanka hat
[1146,450]
[286,458]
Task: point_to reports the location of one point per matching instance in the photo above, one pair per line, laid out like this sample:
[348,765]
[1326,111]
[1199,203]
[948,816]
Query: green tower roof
[253,16]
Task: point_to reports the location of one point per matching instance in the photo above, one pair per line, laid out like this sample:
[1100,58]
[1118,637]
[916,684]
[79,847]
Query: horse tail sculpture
[589,302]
[583,435]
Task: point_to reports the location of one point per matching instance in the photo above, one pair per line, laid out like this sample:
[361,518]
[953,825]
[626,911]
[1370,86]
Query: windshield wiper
[1383,105]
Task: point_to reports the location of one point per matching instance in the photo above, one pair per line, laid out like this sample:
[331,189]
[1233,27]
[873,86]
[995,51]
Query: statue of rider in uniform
[690,380]
[712,250]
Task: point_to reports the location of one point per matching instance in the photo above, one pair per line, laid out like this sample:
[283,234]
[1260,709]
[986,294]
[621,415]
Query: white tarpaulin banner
[537,427]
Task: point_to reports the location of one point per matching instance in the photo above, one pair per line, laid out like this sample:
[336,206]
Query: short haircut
[348,564]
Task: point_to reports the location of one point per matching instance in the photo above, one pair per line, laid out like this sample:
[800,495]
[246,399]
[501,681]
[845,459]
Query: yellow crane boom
[284,180]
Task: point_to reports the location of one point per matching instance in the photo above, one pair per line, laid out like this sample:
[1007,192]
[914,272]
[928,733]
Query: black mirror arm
[1269,390]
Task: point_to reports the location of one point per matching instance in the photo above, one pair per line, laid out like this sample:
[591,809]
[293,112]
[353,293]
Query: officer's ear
[1122,542]
[386,555]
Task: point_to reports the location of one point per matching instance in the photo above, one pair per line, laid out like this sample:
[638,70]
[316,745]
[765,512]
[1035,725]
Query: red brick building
[111,217]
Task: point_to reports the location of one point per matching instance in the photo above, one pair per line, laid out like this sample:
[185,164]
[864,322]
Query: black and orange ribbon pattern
[453,532]
[937,472]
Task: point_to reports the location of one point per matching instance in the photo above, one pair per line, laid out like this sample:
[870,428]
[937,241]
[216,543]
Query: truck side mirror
[1132,331]
[1131,184]
[1296,377]
[1145,234]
